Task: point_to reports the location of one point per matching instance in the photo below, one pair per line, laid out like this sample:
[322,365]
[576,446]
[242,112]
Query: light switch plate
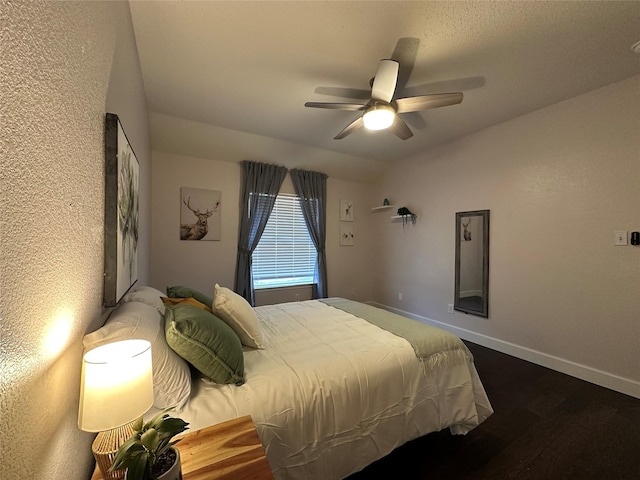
[620,237]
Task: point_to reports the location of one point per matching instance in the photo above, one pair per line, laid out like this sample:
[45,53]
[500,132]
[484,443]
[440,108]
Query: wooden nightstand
[229,450]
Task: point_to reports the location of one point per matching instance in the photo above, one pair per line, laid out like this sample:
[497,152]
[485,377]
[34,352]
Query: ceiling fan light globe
[378,117]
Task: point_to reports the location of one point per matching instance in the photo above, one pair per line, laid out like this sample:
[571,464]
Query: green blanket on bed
[431,344]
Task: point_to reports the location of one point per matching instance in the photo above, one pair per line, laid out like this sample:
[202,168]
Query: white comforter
[332,393]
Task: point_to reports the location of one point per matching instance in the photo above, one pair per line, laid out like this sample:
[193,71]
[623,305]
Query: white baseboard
[592,375]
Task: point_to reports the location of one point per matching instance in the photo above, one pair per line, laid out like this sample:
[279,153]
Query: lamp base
[105,447]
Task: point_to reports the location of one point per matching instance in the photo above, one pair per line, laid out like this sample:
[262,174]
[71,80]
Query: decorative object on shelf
[116,389]
[203,204]
[120,213]
[407,216]
[346,234]
[149,454]
[346,211]
[385,202]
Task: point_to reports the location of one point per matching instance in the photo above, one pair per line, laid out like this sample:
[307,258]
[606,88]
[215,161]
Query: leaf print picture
[121,213]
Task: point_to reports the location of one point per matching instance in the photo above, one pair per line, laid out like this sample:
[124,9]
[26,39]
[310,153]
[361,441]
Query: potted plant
[149,453]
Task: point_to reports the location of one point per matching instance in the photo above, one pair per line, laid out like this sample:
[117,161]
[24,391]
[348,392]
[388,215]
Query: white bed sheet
[332,393]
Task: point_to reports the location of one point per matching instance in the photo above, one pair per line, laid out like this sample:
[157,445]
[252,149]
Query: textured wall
[558,182]
[55,68]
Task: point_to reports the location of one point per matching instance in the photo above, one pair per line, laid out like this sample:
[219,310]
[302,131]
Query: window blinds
[285,255]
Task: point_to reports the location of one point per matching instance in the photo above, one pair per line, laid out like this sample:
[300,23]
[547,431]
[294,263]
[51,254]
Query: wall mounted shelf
[406,219]
[381,208]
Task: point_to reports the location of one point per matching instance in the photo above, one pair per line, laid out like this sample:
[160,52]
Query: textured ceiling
[231,67]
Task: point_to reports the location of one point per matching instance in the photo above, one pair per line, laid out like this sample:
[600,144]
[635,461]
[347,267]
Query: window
[285,255]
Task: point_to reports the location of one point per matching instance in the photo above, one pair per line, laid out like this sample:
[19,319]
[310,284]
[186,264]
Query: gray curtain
[311,187]
[261,183]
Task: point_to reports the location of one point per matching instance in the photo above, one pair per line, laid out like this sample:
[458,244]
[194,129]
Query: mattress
[332,392]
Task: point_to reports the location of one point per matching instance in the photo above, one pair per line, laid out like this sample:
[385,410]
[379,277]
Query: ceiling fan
[381,111]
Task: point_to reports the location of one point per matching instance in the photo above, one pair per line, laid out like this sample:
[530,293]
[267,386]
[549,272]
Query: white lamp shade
[378,117]
[117,385]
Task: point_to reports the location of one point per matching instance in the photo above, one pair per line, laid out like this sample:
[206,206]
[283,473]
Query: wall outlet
[450,309]
[297,297]
[620,237]
[399,296]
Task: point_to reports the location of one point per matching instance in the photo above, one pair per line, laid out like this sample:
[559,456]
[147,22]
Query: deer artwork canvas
[200,212]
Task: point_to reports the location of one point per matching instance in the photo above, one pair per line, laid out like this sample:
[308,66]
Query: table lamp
[116,389]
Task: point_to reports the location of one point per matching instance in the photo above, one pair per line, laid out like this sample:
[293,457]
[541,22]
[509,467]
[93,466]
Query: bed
[334,386]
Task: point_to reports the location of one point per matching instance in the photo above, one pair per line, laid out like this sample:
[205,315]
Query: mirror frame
[484,310]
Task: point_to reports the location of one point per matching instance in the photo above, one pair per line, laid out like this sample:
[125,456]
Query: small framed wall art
[346,211]
[346,234]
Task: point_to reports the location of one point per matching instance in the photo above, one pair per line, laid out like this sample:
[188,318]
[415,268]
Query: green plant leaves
[139,453]
[150,439]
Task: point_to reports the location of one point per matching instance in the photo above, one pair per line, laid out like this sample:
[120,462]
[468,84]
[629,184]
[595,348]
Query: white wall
[201,264]
[558,182]
[62,65]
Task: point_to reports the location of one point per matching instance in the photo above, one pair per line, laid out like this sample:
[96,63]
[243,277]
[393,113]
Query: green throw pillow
[206,342]
[185,292]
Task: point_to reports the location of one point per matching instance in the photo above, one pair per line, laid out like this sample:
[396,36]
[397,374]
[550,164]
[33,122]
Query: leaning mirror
[472,263]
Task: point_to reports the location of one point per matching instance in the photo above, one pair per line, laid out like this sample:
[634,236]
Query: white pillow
[171,374]
[148,295]
[238,314]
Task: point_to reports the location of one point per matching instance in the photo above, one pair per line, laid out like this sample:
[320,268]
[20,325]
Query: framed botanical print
[121,213]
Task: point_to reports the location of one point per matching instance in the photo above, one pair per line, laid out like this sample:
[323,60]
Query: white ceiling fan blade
[384,83]
[400,129]
[357,123]
[414,104]
[354,107]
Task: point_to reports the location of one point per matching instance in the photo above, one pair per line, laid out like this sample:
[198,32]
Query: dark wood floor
[546,425]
